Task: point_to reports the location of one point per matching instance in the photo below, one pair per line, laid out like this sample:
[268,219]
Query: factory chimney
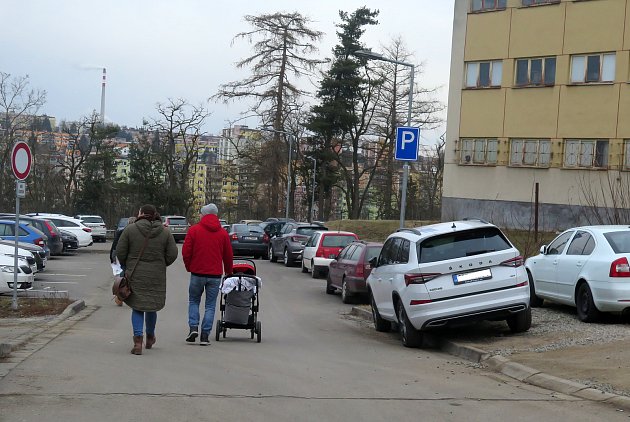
[103,98]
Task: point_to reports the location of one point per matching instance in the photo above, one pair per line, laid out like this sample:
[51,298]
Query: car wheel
[586,309]
[304,269]
[287,260]
[314,270]
[272,257]
[346,297]
[380,324]
[329,288]
[408,334]
[520,322]
[534,301]
[256,256]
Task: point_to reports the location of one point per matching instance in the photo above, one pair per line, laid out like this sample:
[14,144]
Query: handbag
[121,287]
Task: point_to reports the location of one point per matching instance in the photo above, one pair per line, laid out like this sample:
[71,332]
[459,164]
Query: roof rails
[414,231]
[475,219]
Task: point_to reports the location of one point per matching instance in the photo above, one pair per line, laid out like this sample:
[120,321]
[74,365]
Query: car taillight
[296,239]
[234,236]
[513,262]
[320,253]
[419,301]
[39,242]
[420,278]
[53,232]
[87,229]
[360,270]
[620,268]
[265,238]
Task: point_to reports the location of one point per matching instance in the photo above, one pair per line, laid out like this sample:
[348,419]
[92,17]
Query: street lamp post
[312,213]
[291,136]
[367,54]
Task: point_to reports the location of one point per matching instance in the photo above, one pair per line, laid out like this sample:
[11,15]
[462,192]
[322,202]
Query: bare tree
[281,55]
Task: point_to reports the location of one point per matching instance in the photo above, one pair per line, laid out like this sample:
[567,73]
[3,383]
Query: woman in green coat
[154,245]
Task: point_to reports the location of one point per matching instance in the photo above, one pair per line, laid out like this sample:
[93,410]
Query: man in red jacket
[207,254]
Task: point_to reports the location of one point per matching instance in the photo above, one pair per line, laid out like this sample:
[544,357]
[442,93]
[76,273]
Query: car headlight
[6,268]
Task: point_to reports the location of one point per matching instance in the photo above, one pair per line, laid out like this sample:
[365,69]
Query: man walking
[207,254]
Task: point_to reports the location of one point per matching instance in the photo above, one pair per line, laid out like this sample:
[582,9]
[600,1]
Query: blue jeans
[139,318]
[195,290]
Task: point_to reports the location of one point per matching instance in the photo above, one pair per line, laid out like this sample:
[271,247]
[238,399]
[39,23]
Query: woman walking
[145,249]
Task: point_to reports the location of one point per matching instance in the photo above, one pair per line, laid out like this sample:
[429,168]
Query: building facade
[538,105]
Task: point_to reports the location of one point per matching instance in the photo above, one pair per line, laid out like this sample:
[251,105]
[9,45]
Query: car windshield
[307,231]
[619,241]
[96,220]
[372,252]
[462,244]
[337,240]
[177,221]
[246,228]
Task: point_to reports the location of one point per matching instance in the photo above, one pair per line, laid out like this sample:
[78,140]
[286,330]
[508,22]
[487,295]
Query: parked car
[349,271]
[25,275]
[97,224]
[249,222]
[54,245]
[122,223]
[290,242]
[321,248]
[27,233]
[23,254]
[71,224]
[586,267]
[177,224]
[70,241]
[447,274]
[247,240]
[38,252]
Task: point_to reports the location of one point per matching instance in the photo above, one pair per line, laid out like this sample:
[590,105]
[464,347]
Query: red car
[351,268]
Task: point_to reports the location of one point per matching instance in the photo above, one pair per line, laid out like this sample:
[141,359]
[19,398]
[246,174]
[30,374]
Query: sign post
[407,143]
[21,162]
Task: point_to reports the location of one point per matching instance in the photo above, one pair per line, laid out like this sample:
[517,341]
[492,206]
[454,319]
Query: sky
[154,50]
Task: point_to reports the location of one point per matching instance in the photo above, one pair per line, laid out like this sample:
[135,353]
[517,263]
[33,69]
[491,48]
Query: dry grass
[31,307]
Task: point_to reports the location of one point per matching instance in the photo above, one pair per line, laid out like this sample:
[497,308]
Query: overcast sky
[159,49]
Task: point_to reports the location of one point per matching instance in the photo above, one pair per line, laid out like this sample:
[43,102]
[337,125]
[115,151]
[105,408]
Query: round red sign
[21,160]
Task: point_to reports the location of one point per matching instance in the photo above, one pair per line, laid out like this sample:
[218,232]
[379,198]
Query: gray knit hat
[209,209]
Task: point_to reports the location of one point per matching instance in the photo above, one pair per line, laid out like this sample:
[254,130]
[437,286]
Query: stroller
[239,300]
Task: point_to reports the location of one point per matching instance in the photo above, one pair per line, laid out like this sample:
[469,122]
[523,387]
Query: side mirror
[543,249]
[373,262]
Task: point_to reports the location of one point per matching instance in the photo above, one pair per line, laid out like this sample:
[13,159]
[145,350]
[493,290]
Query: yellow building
[539,98]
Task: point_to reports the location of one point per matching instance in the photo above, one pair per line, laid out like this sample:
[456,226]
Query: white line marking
[67,275]
[59,282]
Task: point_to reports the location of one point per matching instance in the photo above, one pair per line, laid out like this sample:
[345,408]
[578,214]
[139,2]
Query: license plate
[472,277]
[250,238]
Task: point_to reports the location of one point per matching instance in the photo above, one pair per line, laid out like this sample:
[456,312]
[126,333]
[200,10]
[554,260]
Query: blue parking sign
[407,142]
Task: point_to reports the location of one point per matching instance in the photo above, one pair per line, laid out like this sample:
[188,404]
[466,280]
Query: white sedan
[587,267]
[73,225]
[25,276]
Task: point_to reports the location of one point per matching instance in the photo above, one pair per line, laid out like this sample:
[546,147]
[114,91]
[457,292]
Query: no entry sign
[21,160]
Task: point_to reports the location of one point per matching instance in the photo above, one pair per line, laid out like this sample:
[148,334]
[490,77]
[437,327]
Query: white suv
[446,274]
[96,223]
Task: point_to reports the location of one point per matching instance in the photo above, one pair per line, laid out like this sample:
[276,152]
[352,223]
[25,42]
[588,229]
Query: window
[536,72]
[356,253]
[337,241]
[462,244]
[389,252]
[538,2]
[530,152]
[586,153]
[619,241]
[481,5]
[559,243]
[582,244]
[593,68]
[478,151]
[484,74]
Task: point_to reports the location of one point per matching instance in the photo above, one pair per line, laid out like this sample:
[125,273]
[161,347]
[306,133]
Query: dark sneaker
[204,339]
[192,336]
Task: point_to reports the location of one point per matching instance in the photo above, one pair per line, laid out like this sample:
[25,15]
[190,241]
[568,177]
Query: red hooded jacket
[207,249]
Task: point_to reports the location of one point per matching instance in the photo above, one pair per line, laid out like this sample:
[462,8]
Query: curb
[7,348]
[518,371]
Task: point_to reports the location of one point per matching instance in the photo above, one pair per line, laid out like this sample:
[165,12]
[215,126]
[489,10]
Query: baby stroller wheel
[258,331]
[217,331]
[253,330]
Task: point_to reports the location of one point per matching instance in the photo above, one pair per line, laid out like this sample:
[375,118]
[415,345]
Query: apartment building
[538,102]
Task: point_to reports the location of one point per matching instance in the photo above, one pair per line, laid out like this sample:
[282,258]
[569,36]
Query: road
[315,363]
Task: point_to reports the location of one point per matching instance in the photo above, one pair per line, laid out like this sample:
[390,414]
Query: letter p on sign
[407,142]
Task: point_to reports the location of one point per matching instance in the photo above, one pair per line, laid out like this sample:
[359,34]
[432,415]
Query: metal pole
[289,176]
[403,199]
[14,302]
[313,189]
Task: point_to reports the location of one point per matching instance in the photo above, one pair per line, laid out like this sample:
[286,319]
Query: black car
[70,241]
[55,244]
[38,252]
[247,240]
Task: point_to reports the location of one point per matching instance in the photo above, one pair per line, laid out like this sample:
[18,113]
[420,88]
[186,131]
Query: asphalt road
[315,363]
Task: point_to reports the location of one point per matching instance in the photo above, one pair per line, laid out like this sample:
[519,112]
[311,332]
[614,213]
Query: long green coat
[148,283]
